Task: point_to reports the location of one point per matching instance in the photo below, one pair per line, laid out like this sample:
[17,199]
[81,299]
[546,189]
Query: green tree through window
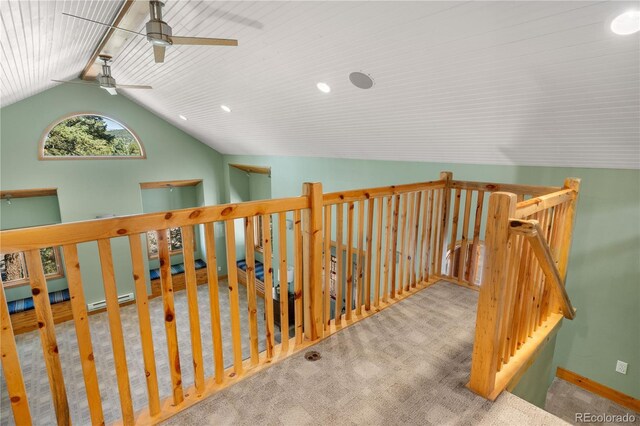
[90,136]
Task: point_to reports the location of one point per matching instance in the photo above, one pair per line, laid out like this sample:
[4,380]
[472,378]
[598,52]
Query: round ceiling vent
[361,80]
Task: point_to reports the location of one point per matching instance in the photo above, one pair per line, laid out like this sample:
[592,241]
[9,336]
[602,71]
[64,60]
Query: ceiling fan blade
[102,23]
[132,86]
[76,82]
[201,41]
[158,53]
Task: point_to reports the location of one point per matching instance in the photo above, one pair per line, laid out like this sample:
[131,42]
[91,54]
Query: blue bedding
[26,304]
[242,264]
[178,268]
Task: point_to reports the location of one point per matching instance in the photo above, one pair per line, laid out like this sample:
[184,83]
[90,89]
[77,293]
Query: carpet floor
[407,365]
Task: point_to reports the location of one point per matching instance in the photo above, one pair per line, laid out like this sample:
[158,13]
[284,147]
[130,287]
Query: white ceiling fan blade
[132,86]
[158,53]
[201,41]
[76,82]
[102,23]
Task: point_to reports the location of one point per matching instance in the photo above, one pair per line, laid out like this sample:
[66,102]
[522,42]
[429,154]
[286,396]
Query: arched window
[90,136]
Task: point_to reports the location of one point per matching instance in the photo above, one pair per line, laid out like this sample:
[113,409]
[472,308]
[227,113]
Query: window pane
[90,136]
[175,239]
[152,243]
[49,264]
[11,267]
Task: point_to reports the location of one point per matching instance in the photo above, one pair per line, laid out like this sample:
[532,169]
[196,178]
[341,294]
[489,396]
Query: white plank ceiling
[526,83]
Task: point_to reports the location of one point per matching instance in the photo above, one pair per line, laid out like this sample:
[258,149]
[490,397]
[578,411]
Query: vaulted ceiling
[526,83]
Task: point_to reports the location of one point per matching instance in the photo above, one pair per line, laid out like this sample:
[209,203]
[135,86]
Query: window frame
[43,139]
[25,281]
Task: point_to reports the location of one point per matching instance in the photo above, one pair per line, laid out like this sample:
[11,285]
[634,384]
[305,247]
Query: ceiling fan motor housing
[158,31]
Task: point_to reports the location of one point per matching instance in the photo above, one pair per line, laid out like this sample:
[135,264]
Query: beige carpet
[407,365]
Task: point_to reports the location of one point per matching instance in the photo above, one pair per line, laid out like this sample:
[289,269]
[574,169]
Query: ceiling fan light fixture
[323,87]
[626,23]
[111,90]
[225,108]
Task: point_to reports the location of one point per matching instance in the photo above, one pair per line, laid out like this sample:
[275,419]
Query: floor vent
[103,303]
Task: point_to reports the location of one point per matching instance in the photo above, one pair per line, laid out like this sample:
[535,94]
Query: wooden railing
[522,298]
[353,253]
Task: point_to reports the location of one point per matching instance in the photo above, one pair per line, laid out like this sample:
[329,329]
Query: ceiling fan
[159,33]
[105,80]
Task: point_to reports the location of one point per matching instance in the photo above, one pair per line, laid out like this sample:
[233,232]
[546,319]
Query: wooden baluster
[423,238]
[369,255]
[376,278]
[555,241]
[409,253]
[473,259]
[567,233]
[402,249]
[546,290]
[530,266]
[297,274]
[454,232]
[252,303]
[326,297]
[144,322]
[268,285]
[546,228]
[394,245]
[437,230]
[414,244]
[188,244]
[11,366]
[537,277]
[509,297]
[349,263]
[518,309]
[359,259]
[387,250]
[115,329]
[444,224]
[234,297]
[464,245]
[83,333]
[427,243]
[284,284]
[339,258]
[214,301]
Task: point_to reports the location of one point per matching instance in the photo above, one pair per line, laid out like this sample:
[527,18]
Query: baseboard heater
[103,303]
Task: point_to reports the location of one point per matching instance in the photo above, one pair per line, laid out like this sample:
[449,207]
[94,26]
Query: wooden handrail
[90,230]
[365,194]
[543,202]
[531,230]
[504,187]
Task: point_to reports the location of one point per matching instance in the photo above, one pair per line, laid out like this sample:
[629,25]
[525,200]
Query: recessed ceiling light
[183,117]
[225,108]
[627,23]
[323,87]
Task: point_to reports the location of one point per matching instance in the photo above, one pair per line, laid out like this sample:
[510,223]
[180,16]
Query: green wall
[604,268]
[89,188]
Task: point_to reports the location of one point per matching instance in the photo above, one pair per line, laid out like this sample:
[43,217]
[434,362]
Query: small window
[13,266]
[258,239]
[89,136]
[174,237]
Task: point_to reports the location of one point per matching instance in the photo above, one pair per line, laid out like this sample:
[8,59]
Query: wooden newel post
[444,217]
[484,363]
[312,261]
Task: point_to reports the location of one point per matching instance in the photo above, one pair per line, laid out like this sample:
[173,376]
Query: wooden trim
[252,169]
[599,389]
[105,39]
[91,230]
[504,187]
[170,183]
[42,157]
[28,193]
[364,194]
